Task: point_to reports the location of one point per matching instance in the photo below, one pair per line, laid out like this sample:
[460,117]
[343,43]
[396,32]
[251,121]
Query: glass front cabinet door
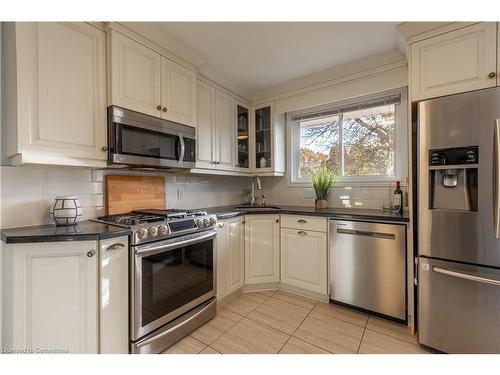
[263,138]
[243,138]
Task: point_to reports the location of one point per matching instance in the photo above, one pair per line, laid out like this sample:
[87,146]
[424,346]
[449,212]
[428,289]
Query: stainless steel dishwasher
[367,266]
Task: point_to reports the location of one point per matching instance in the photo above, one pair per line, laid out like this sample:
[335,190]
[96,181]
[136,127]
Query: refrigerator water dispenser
[453,178]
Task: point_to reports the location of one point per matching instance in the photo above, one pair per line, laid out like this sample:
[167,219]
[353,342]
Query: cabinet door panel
[178,93]
[224,131]
[135,76]
[454,62]
[261,249]
[303,259]
[221,262]
[114,296]
[62,84]
[235,254]
[55,297]
[205,127]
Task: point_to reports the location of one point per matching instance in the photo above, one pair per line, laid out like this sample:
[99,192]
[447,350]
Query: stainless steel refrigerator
[458,222]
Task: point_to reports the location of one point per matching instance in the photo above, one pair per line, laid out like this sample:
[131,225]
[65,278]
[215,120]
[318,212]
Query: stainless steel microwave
[139,140]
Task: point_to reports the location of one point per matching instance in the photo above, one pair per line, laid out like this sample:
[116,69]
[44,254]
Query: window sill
[302,185]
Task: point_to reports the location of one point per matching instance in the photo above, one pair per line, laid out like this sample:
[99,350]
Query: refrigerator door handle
[496,177]
[466,276]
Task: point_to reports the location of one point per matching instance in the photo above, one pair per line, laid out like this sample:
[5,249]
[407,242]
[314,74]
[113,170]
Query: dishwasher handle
[354,232]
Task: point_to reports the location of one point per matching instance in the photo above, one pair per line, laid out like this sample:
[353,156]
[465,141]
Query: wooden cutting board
[127,193]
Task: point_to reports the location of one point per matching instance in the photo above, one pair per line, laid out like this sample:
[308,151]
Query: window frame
[400,142]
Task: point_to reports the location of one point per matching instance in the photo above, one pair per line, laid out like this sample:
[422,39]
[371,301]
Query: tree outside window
[353,143]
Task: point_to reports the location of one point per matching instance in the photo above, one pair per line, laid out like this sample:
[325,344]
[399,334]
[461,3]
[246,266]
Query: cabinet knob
[302,221]
[492,75]
[164,109]
[90,253]
[302,233]
[104,148]
[158,107]
[277,220]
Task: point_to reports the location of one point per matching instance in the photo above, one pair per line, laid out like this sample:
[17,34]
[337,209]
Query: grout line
[298,328]
[344,320]
[361,341]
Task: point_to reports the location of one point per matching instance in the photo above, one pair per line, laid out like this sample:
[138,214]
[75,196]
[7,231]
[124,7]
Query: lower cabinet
[52,292]
[230,256]
[114,319]
[304,259]
[262,249]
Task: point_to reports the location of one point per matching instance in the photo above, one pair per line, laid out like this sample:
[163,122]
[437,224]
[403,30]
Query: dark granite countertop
[226,212]
[83,231]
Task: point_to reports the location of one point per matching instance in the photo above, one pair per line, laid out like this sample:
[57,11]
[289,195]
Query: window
[361,142]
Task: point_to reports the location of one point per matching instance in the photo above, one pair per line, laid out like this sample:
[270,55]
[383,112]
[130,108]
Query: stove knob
[153,231]
[163,230]
[213,221]
[142,234]
[199,223]
[206,222]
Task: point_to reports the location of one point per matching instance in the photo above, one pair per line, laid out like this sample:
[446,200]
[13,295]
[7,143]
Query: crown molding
[415,31]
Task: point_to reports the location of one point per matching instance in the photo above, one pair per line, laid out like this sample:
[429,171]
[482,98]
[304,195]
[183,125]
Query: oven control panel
[160,230]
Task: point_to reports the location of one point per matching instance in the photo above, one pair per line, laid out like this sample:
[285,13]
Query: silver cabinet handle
[115,246]
[466,276]
[496,178]
[389,236]
[302,221]
[302,233]
[91,253]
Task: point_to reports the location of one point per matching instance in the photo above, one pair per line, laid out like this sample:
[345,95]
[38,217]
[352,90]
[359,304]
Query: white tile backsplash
[27,192]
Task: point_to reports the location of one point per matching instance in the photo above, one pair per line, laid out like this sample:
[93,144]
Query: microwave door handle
[496,177]
[183,149]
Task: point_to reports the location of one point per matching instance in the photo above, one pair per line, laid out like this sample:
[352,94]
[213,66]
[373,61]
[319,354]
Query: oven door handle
[162,247]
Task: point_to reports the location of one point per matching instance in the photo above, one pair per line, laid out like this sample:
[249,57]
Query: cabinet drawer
[318,224]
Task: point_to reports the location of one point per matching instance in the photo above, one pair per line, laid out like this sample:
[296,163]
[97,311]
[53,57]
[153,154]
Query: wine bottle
[398,198]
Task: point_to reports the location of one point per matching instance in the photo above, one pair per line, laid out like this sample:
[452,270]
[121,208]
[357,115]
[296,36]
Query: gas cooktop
[156,225]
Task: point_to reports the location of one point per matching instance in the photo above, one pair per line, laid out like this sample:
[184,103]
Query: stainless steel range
[172,274]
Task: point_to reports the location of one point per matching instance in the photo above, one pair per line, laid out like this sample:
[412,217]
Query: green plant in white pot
[322,181]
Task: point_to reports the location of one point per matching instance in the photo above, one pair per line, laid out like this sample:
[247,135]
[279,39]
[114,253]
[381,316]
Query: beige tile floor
[281,322]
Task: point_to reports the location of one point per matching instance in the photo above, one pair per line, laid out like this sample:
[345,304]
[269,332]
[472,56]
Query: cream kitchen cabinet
[70,296]
[51,294]
[268,141]
[145,81]
[55,90]
[230,256]
[215,127]
[304,259]
[262,255]
[457,61]
[113,296]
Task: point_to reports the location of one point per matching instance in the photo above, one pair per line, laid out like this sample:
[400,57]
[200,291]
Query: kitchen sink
[256,208]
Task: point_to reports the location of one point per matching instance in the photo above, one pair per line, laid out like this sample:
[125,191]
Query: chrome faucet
[259,187]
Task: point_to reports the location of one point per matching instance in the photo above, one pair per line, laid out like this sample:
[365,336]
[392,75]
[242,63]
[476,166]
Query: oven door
[141,140]
[169,279]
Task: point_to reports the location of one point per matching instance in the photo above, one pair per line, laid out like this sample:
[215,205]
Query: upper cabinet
[458,61]
[178,93]
[135,76]
[145,81]
[242,137]
[55,90]
[215,137]
[269,141]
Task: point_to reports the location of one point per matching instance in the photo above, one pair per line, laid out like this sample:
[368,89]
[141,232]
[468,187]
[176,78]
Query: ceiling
[257,55]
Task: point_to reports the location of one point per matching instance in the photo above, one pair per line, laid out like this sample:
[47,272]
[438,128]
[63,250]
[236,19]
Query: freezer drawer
[459,307]
[367,266]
